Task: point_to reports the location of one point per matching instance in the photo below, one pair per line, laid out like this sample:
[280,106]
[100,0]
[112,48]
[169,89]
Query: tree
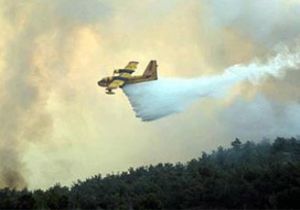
[236,144]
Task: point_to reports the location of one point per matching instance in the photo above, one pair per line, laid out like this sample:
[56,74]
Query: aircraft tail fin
[151,70]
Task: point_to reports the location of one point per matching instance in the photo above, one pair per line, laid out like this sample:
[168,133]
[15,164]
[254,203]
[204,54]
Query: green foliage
[245,176]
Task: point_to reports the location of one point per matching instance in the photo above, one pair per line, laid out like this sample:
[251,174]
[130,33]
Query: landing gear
[109,92]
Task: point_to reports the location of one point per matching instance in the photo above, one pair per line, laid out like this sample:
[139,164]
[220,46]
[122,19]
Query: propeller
[116,71]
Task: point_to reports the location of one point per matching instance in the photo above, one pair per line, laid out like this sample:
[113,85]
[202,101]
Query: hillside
[246,175]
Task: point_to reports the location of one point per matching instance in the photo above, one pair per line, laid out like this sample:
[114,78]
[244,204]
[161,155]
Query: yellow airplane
[122,77]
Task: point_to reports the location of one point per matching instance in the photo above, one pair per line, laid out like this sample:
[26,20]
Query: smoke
[55,122]
[37,41]
[266,22]
[157,99]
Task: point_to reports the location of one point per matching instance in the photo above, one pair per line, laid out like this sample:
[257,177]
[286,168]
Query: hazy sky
[57,125]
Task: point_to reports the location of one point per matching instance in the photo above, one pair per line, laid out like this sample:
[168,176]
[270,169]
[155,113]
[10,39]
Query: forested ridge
[245,176]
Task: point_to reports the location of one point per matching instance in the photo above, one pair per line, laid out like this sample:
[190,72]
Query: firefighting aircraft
[122,77]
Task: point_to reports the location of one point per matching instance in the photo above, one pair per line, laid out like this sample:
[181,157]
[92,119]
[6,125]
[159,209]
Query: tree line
[248,175]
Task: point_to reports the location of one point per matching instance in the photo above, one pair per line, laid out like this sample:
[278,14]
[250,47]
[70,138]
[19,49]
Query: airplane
[122,77]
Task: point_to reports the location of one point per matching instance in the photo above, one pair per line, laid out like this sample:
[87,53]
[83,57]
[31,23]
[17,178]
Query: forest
[264,175]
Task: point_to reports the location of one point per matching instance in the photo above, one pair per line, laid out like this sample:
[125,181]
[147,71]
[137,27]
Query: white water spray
[157,99]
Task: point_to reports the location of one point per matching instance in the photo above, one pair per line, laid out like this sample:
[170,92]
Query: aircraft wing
[132,65]
[124,75]
[128,70]
[117,82]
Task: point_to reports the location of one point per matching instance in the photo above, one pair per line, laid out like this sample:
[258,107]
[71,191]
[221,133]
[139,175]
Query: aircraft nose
[99,83]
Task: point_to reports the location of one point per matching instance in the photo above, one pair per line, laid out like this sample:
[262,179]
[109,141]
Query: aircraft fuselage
[126,78]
